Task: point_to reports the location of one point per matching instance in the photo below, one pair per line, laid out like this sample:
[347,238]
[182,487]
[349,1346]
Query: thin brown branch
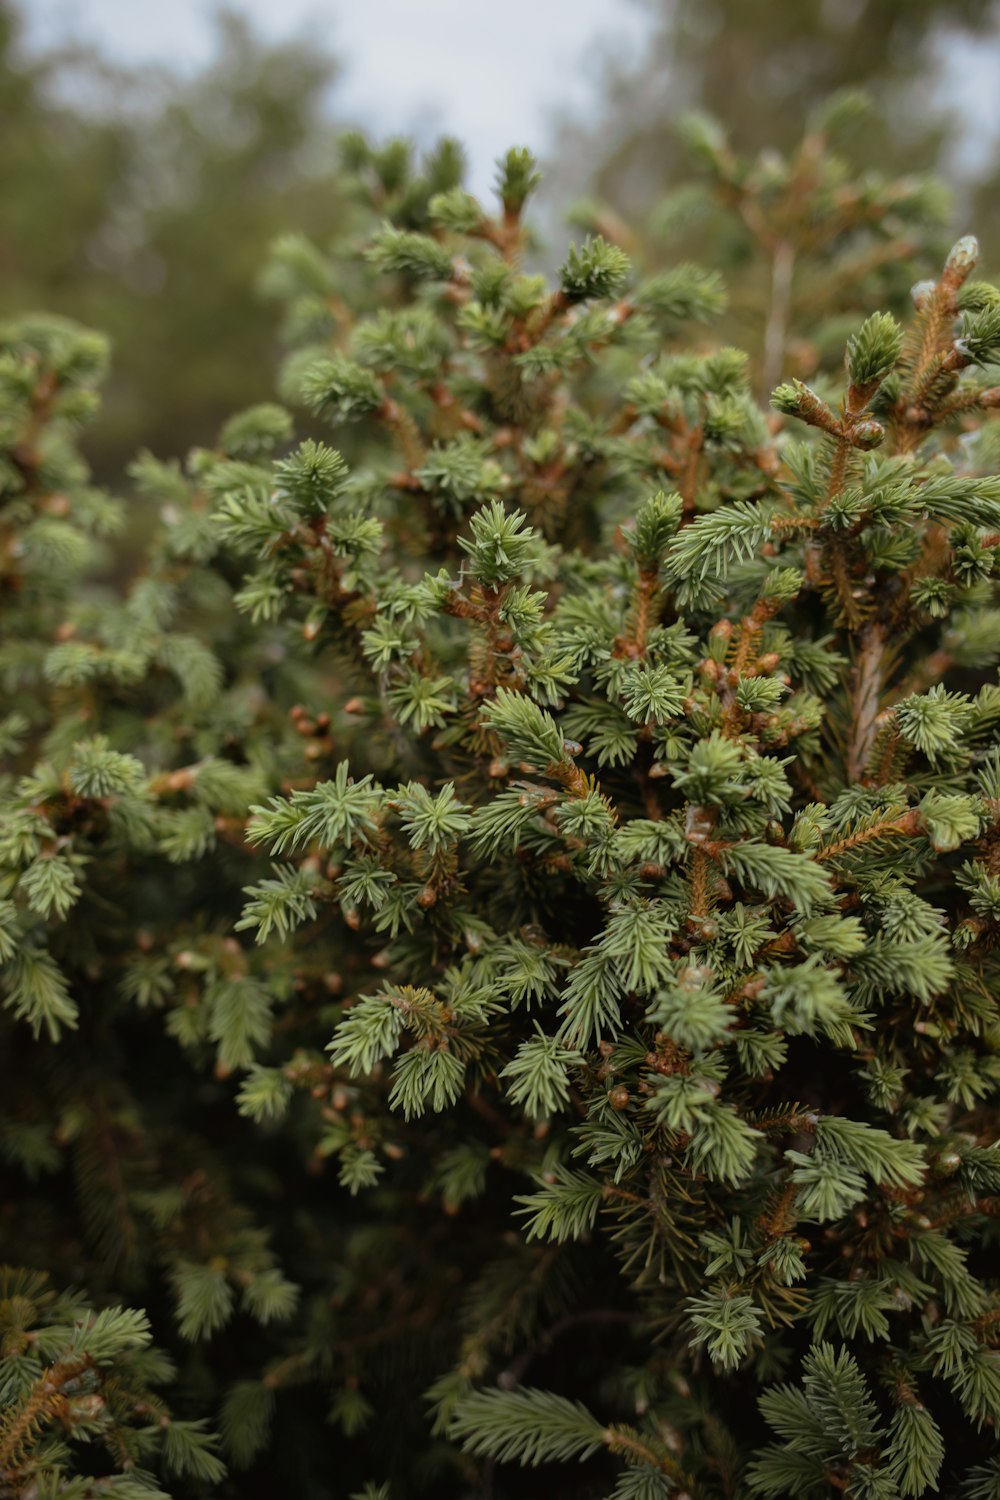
[865,699]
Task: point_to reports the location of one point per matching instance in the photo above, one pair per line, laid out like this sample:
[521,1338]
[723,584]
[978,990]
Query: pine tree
[558,825]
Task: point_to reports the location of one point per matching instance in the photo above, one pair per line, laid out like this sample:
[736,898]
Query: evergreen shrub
[499,916]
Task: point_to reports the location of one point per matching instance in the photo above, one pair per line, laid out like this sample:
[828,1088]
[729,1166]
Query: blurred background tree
[716,145]
[761,68]
[143,202]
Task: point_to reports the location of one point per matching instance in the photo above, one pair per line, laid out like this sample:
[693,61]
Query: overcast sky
[461,66]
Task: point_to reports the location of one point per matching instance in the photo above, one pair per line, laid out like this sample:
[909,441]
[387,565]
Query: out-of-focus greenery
[144,203]
[779,140]
[761,67]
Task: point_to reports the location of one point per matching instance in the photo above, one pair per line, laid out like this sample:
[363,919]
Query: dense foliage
[499,917]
